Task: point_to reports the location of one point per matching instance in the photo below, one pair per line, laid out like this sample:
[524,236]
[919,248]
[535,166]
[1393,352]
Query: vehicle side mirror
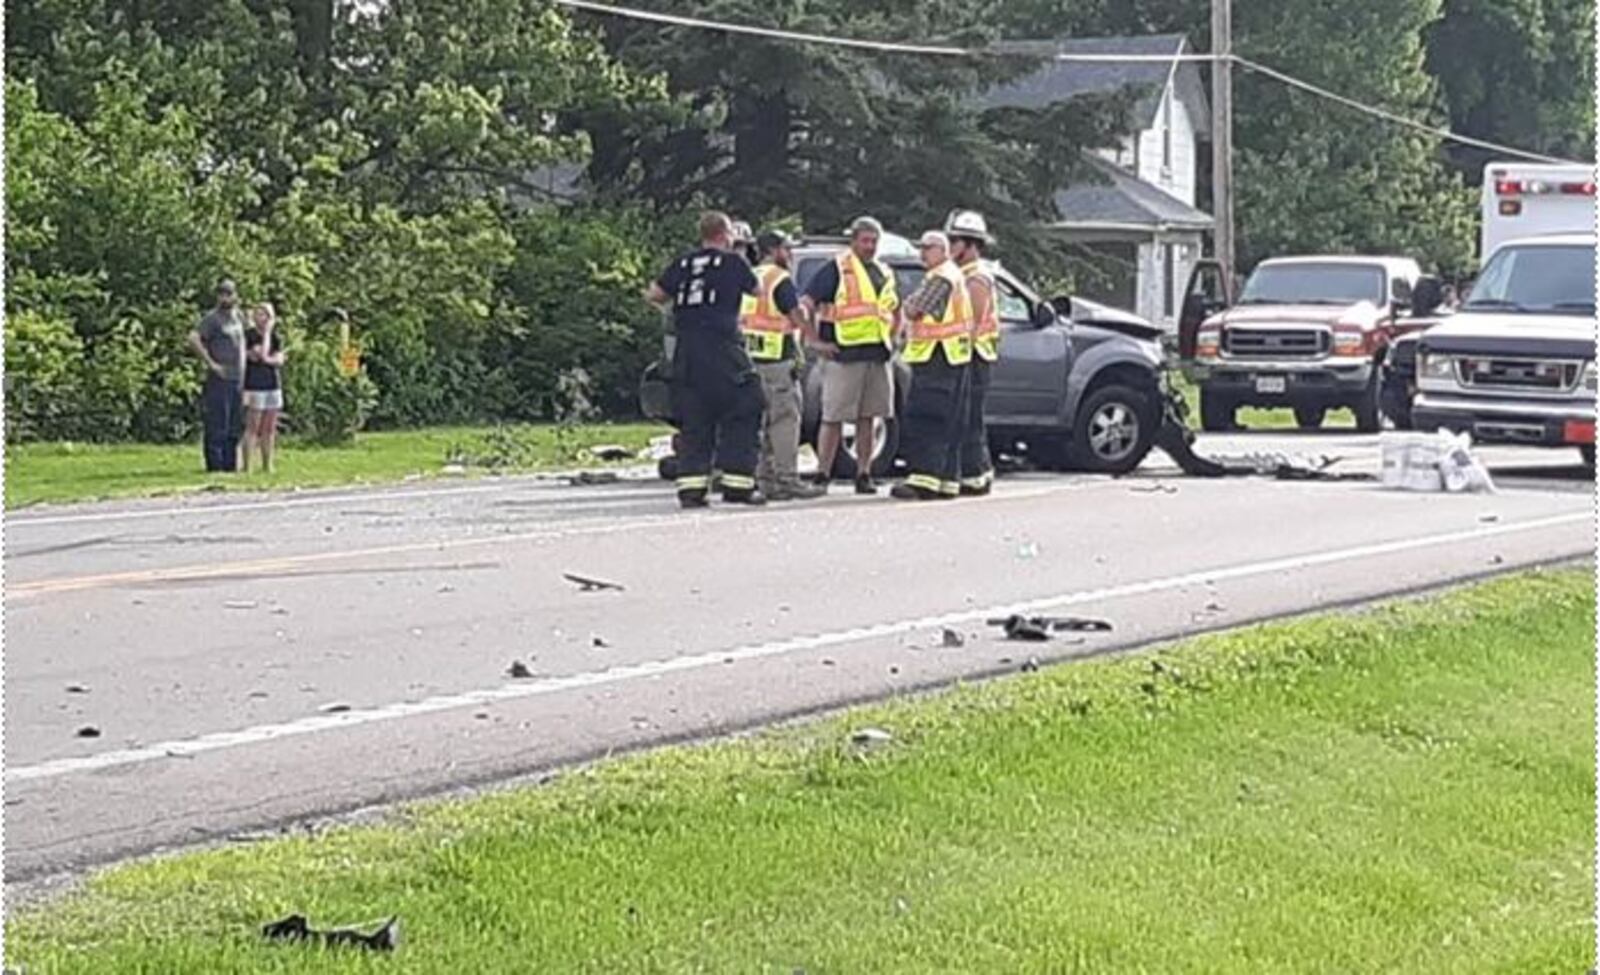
[1427,296]
[1043,315]
[1063,305]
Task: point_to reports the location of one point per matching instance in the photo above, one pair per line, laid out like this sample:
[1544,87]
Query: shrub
[321,404]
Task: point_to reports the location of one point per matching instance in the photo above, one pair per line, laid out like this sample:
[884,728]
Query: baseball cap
[934,238]
[771,240]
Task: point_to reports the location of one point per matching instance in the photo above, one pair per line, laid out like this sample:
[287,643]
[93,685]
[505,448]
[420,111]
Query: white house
[1138,226]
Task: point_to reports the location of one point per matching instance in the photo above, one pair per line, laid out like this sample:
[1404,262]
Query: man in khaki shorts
[854,299]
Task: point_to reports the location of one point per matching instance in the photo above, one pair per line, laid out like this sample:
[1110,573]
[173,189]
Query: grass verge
[1406,789]
[62,472]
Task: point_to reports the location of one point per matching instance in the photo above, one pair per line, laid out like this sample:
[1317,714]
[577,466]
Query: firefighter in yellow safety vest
[969,235]
[771,319]
[938,322]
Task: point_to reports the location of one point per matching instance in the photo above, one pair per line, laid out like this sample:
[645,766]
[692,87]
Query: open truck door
[1208,292]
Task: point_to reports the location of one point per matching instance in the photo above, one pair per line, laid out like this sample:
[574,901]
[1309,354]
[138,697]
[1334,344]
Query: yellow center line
[219,570]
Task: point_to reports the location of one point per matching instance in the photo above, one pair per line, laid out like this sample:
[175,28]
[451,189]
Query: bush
[322,405]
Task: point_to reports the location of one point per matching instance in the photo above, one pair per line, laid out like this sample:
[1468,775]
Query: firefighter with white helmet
[969,235]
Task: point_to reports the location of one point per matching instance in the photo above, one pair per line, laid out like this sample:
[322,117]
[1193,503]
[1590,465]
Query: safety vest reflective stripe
[952,331]
[986,330]
[859,313]
[759,312]
[764,327]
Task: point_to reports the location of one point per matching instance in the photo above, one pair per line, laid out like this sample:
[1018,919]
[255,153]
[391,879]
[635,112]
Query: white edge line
[551,685]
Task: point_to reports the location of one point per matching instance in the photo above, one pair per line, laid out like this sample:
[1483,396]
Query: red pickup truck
[1309,333]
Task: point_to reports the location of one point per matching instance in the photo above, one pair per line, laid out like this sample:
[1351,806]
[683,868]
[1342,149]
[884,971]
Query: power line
[887,47]
[937,50]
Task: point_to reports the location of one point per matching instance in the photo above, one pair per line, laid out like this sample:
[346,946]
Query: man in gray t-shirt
[219,340]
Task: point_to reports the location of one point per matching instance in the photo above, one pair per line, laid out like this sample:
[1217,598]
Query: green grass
[1405,790]
[61,472]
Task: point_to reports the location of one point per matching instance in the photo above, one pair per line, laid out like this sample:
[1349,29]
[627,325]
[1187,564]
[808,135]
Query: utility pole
[1222,132]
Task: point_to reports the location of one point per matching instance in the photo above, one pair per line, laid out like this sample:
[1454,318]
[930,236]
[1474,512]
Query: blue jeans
[222,412]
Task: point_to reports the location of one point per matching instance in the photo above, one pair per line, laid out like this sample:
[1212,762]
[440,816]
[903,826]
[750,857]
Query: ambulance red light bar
[1534,187]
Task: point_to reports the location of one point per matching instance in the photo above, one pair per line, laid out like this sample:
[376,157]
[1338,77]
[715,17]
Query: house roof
[1124,202]
[1057,81]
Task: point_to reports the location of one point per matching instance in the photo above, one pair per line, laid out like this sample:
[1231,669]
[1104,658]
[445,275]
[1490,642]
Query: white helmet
[968,223]
[741,233]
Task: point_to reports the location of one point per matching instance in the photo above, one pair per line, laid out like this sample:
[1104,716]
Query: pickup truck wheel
[1310,417]
[1216,413]
[667,468]
[1368,410]
[1587,450]
[1113,430]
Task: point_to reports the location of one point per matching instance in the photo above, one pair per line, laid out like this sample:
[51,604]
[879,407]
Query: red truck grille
[1299,343]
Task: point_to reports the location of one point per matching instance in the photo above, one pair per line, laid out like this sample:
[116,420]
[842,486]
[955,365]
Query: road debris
[519,670]
[593,478]
[1022,628]
[586,584]
[599,642]
[1028,550]
[1438,461]
[241,604]
[610,452]
[88,731]
[1154,489]
[453,470]
[1488,518]
[1037,629]
[952,639]
[871,736]
[1031,665]
[77,689]
[335,707]
[295,927]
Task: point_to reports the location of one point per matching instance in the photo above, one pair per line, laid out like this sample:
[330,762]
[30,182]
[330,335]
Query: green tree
[1519,73]
[774,129]
[1311,175]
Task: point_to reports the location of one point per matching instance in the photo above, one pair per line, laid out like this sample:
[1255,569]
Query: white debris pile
[1440,461]
[658,448]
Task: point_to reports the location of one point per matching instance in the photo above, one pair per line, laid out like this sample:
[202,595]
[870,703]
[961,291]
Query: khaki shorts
[851,390]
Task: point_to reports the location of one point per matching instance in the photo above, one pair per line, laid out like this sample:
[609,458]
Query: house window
[1169,280]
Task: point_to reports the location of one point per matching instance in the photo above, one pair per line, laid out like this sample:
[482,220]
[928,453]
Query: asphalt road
[252,661]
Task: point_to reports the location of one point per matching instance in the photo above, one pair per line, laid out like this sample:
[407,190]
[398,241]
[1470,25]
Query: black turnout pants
[222,416]
[934,423]
[719,403]
[976,467]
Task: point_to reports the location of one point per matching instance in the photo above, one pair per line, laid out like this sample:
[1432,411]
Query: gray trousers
[780,424]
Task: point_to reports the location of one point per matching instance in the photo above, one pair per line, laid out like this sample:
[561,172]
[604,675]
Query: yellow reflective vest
[861,314]
[764,326]
[985,330]
[951,331]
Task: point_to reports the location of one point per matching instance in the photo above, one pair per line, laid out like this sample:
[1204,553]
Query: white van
[1534,200]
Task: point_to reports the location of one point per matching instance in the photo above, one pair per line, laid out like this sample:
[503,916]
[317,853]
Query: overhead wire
[940,50]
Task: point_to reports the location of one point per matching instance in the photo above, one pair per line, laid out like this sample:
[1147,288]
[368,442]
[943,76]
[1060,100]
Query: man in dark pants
[219,340]
[716,391]
[938,325]
[969,234]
